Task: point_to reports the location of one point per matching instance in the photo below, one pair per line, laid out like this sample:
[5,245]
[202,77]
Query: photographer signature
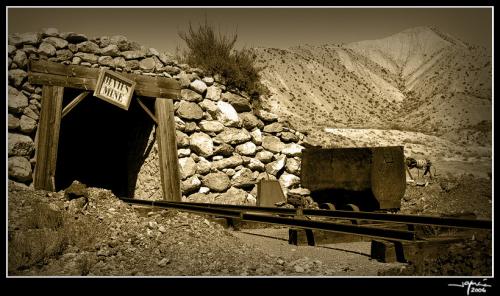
[472,286]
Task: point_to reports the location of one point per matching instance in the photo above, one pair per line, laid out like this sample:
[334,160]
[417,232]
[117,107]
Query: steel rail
[371,216]
[381,233]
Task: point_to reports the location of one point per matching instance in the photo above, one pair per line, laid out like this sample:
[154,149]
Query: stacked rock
[224,146]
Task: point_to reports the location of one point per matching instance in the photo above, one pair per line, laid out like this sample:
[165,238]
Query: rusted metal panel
[269,193]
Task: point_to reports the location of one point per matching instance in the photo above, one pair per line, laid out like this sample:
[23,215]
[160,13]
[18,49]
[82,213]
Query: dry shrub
[215,54]
[49,234]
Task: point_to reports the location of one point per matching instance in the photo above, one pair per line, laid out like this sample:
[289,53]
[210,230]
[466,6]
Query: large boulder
[133,54]
[239,103]
[230,162]
[203,166]
[235,196]
[20,59]
[213,93]
[256,165]
[227,114]
[289,180]
[87,57]
[289,137]
[111,50]
[243,178]
[274,128]
[27,125]
[190,111]
[266,116]
[147,64]
[17,76]
[76,190]
[250,121]
[292,149]
[88,46]
[32,38]
[224,150]
[293,166]
[187,167]
[190,96]
[201,144]
[198,86]
[121,42]
[17,102]
[276,166]
[182,139]
[264,156]
[20,169]
[47,49]
[233,136]
[190,185]
[217,182]
[256,136]
[20,145]
[13,122]
[272,143]
[58,43]
[211,126]
[106,61]
[210,107]
[247,149]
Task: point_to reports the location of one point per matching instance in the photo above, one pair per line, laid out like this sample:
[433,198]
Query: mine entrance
[101,145]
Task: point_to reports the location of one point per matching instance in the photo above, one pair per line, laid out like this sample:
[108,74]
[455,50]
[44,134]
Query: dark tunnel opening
[102,145]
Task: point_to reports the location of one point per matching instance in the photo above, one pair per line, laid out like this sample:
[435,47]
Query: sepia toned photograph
[250,142]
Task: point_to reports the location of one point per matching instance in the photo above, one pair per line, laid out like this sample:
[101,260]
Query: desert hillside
[419,80]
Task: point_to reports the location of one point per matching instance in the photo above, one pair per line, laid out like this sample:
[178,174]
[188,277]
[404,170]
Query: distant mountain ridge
[420,79]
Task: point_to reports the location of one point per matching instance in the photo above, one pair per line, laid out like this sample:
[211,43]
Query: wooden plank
[167,150]
[146,109]
[50,73]
[48,137]
[73,103]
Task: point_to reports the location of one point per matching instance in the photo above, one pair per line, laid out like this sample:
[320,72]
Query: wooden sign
[114,88]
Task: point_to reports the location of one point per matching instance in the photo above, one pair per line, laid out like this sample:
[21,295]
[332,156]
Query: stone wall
[224,145]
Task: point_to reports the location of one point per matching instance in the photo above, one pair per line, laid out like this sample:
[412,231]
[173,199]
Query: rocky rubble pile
[225,146]
[117,239]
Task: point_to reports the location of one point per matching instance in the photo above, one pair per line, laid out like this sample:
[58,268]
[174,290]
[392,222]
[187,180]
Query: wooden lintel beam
[73,103]
[75,76]
[146,109]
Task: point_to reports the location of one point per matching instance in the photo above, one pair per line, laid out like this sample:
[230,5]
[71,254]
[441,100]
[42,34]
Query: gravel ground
[100,235]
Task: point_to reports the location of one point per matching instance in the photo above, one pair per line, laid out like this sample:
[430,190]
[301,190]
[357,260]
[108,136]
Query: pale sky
[267,27]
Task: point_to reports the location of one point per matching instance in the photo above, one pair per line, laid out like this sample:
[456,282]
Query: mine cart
[368,178]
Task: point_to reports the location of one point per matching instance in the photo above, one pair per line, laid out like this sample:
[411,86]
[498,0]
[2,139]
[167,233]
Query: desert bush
[215,54]
[42,216]
[49,233]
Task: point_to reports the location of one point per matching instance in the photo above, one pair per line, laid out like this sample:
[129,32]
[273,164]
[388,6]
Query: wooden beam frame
[48,137]
[73,103]
[167,150]
[146,109]
[55,77]
[75,76]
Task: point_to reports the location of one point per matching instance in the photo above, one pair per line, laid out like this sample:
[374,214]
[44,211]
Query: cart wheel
[328,206]
[353,208]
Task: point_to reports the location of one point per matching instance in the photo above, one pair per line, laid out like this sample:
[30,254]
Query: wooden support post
[48,137]
[147,110]
[167,150]
[73,103]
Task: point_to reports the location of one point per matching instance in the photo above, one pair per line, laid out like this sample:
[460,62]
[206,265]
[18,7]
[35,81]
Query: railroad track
[300,218]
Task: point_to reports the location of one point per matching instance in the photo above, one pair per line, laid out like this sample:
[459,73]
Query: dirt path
[340,259]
